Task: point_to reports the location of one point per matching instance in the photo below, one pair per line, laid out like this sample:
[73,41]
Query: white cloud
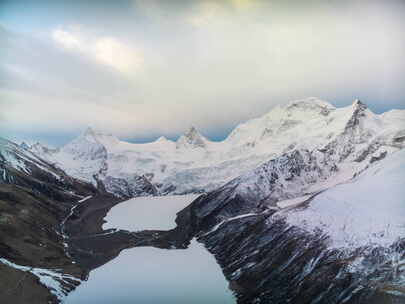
[205,13]
[109,51]
[112,52]
[67,39]
[207,63]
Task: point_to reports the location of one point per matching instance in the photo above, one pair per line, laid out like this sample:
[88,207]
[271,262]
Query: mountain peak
[24,146]
[89,132]
[357,103]
[96,133]
[192,138]
[162,139]
[310,102]
[358,107]
[93,135]
[192,132]
[359,113]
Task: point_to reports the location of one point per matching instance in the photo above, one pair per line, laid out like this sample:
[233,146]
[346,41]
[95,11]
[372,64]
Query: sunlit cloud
[105,50]
[243,4]
[160,66]
[206,13]
[112,52]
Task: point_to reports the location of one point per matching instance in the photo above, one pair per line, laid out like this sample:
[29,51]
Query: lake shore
[91,246]
[191,274]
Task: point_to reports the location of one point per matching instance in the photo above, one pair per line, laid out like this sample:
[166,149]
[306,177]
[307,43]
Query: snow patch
[49,278]
[293,201]
[367,211]
[217,226]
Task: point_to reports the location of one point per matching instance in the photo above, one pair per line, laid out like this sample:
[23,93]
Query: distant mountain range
[343,141]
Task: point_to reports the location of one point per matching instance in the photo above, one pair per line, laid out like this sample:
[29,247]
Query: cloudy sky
[140,69]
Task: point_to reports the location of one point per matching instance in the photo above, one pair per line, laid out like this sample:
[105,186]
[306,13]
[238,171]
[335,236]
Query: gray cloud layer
[157,67]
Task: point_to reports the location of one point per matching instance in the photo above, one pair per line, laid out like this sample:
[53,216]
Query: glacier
[348,138]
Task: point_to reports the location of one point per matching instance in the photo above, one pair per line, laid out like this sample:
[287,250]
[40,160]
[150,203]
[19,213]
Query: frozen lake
[147,212]
[149,275]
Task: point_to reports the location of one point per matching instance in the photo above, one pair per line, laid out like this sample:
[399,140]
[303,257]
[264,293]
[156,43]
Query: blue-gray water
[155,276]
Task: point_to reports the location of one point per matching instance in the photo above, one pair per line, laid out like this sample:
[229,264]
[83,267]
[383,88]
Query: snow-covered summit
[22,160]
[346,137]
[191,139]
[87,146]
[307,123]
[162,139]
[309,104]
[97,136]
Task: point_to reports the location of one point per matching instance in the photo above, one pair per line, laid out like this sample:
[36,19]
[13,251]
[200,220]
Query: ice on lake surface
[149,275]
[147,212]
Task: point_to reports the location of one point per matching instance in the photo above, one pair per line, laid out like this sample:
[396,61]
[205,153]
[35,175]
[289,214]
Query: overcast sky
[141,69]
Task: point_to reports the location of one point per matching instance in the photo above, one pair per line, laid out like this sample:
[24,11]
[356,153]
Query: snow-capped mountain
[313,226]
[342,140]
[343,244]
[17,159]
[192,139]
[288,211]
[352,215]
[35,198]
[21,167]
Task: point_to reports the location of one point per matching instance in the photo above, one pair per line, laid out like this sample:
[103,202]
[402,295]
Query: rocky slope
[346,137]
[35,197]
[306,206]
[320,223]
[340,245]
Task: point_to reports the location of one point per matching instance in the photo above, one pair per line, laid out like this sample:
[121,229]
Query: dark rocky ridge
[268,261]
[33,202]
[36,199]
[264,259]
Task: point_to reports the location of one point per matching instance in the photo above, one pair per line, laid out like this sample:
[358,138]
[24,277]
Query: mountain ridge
[272,192]
[194,163]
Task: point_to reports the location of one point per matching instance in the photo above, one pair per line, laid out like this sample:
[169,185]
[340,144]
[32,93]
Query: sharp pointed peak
[358,107]
[192,130]
[359,103]
[191,138]
[91,131]
[90,134]
[358,111]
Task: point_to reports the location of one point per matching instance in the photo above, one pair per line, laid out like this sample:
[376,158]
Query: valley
[301,205]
